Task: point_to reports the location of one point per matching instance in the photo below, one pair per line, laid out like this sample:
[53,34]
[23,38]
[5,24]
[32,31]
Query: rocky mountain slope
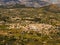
[27,3]
[52,5]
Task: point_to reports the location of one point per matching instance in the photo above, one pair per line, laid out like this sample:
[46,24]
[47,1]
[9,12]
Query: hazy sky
[55,1]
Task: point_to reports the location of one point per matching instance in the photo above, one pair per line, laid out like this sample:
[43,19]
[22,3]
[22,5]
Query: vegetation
[28,16]
[16,37]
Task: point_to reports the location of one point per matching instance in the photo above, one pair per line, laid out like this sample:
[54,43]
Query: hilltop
[53,8]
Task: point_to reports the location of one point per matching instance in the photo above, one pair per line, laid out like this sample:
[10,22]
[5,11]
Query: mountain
[8,2]
[27,3]
[52,8]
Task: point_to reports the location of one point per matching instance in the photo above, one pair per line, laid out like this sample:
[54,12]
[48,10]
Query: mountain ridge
[28,3]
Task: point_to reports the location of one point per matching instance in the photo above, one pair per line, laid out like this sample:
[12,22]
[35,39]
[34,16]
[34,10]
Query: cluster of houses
[13,25]
[35,27]
[41,28]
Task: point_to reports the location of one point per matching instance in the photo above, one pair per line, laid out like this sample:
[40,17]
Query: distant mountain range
[28,3]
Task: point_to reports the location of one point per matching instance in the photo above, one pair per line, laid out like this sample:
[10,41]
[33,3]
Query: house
[14,26]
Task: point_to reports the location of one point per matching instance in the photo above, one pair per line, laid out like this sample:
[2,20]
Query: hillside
[53,8]
[30,26]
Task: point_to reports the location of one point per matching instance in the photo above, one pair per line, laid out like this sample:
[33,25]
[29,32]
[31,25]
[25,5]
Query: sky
[54,1]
